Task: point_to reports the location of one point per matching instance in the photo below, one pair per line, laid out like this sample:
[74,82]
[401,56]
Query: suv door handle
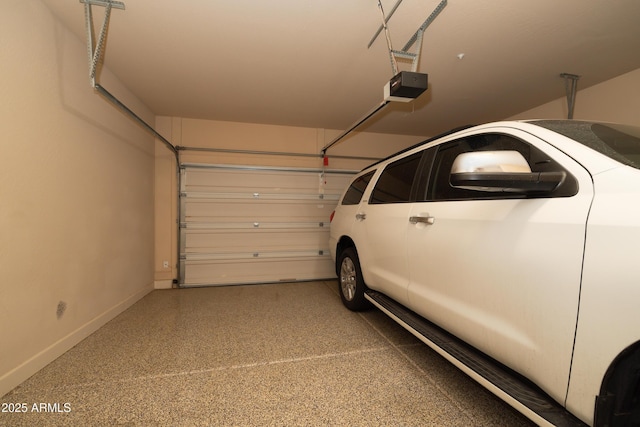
[361,216]
[425,219]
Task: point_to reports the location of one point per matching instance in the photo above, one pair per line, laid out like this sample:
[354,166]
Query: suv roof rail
[433,138]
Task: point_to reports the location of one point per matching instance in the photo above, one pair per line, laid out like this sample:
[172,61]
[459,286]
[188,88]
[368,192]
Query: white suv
[510,248]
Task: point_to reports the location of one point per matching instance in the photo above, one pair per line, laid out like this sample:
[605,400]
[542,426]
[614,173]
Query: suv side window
[396,181]
[439,186]
[353,195]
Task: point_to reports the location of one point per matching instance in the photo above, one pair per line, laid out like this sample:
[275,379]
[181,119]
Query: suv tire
[350,282]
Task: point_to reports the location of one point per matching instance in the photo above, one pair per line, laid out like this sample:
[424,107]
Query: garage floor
[284,354]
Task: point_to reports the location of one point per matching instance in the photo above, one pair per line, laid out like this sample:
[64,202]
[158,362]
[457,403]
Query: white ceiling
[306,63]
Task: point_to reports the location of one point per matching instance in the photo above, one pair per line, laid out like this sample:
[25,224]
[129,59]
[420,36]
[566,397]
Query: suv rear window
[620,142]
[356,189]
[394,185]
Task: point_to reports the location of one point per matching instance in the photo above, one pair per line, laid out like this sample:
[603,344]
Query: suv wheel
[351,284]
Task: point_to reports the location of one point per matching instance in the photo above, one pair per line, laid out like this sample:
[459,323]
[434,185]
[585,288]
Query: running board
[509,386]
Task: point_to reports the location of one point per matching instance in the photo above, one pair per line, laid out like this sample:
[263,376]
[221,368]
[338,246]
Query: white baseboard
[163,284]
[18,375]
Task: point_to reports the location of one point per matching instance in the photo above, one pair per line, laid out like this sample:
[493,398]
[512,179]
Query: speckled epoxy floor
[284,354]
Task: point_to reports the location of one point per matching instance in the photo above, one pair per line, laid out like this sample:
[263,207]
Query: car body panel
[485,289]
[382,237]
[472,274]
[608,321]
[545,285]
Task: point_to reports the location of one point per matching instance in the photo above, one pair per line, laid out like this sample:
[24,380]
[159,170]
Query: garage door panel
[255,240]
[256,224]
[255,180]
[267,270]
[256,210]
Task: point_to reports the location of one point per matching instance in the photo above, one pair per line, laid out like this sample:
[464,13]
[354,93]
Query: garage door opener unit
[404,86]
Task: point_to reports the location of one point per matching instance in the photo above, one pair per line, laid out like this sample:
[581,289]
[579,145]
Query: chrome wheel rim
[348,279]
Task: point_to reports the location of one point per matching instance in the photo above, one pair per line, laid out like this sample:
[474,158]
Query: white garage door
[242,225]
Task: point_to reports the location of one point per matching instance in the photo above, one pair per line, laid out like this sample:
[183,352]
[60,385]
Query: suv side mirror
[505,171]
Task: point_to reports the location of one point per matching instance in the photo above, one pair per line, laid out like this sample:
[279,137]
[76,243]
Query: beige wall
[76,195]
[248,137]
[616,100]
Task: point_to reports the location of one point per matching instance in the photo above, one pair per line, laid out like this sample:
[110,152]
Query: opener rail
[414,57]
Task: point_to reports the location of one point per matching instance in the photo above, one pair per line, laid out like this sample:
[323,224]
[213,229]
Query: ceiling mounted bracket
[384,21]
[570,86]
[416,38]
[95,50]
